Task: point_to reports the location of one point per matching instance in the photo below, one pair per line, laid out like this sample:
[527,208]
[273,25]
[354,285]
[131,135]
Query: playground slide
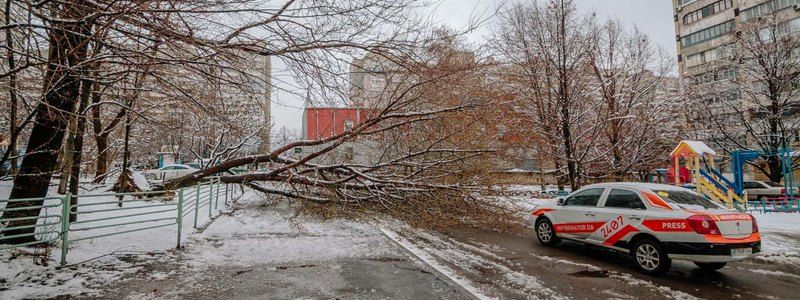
[719,191]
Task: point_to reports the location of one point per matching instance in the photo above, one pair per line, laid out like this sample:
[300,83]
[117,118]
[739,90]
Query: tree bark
[80,126]
[67,42]
[102,158]
[101,134]
[12,91]
[66,156]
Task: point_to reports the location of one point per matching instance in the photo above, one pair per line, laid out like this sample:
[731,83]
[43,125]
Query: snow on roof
[688,148]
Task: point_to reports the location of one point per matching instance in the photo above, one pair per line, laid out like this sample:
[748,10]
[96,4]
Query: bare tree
[548,46]
[68,47]
[636,90]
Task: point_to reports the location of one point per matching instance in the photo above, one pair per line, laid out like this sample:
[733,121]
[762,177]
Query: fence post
[65,211]
[196,203]
[226,194]
[216,197]
[180,217]
[210,195]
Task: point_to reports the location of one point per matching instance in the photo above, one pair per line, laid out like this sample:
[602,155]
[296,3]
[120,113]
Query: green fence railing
[96,215]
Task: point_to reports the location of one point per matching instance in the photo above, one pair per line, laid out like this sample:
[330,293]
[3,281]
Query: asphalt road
[501,265]
[585,272]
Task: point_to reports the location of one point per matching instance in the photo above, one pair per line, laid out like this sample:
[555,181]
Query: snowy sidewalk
[254,251]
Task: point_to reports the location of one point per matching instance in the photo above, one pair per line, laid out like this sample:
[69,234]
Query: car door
[621,212]
[575,218]
[168,173]
[177,171]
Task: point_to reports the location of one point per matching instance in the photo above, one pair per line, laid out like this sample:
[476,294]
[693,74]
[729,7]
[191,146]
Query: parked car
[763,190]
[655,223]
[168,172]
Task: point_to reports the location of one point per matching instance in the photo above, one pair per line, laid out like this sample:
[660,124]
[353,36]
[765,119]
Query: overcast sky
[653,17]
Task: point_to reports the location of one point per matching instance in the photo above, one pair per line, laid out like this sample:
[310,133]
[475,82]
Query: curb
[438,272]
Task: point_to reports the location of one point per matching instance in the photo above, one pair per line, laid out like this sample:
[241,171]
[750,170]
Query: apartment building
[373,79]
[704,27]
[231,101]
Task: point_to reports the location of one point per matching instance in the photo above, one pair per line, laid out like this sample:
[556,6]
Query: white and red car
[655,223]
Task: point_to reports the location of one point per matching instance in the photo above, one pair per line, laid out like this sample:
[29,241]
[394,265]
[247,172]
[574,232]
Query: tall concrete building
[704,27]
[372,80]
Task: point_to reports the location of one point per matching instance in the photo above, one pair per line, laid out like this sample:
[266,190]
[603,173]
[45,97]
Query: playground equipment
[708,180]
[741,157]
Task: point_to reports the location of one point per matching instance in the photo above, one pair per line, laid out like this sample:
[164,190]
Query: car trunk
[734,226]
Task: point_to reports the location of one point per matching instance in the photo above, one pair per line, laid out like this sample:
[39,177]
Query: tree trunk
[102,157]
[775,168]
[67,48]
[126,154]
[567,134]
[101,135]
[80,126]
[12,91]
[66,157]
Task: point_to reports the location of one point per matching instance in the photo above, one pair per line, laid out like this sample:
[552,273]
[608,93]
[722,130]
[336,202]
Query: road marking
[443,271]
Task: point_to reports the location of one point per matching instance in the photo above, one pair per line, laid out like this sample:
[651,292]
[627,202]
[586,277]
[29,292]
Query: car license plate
[741,252]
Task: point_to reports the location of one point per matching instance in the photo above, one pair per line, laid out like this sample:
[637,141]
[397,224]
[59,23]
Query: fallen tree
[431,141]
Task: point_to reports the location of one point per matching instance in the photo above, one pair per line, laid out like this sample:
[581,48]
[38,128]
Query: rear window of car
[752,185]
[686,199]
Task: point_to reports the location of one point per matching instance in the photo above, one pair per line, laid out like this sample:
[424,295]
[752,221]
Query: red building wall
[320,123]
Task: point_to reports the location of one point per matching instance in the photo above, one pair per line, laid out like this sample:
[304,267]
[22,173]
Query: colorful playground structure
[693,166]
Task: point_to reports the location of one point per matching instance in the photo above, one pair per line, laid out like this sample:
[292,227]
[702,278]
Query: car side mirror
[561,201]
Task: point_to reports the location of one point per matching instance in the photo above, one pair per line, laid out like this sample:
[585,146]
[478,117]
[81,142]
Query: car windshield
[686,199]
[773,184]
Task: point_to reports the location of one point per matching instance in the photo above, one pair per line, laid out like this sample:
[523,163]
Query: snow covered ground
[89,260]
[251,238]
[780,237]
[267,249]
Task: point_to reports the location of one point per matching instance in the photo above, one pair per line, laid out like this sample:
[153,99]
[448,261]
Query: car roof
[176,165]
[640,186]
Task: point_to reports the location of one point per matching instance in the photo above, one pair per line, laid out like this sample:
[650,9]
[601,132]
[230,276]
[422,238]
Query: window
[707,34]
[773,184]
[588,197]
[752,185]
[686,199]
[624,199]
[706,57]
[715,76]
[706,11]
[766,8]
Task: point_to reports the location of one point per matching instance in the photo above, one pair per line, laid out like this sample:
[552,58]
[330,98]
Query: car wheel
[545,232]
[710,266]
[650,257]
[762,198]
